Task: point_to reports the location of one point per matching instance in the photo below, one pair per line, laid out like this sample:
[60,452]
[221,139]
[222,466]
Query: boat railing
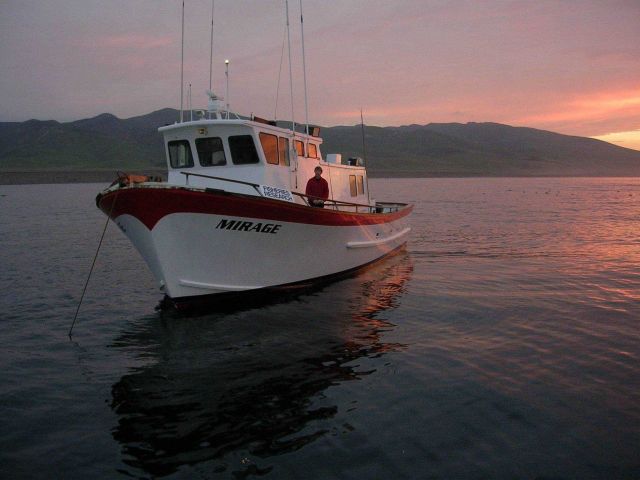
[338,203]
[241,182]
[379,207]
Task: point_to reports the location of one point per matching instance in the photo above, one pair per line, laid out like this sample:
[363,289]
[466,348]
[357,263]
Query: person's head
[318,171]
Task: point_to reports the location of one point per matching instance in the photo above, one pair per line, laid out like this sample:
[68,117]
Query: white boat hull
[235,243]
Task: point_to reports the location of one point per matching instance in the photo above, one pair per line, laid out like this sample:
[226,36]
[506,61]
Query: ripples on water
[502,344]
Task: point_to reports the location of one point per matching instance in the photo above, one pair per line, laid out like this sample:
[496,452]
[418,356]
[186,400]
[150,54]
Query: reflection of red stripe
[149,205]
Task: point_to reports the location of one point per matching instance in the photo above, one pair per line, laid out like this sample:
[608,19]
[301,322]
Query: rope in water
[95,257]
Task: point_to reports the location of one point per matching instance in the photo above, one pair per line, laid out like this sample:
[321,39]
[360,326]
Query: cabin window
[283,149]
[210,151]
[180,154]
[270,147]
[243,150]
[300,148]
[353,186]
[360,184]
[313,150]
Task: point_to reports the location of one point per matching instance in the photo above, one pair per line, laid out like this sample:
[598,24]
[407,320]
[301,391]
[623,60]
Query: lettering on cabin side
[277,193]
[241,226]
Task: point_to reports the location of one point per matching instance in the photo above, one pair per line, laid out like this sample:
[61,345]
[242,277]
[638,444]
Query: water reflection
[249,381]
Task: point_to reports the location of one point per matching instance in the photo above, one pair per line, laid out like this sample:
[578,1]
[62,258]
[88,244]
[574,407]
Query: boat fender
[125,179]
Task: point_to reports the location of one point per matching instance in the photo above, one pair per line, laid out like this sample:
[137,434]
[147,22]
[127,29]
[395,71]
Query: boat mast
[211,53]
[304,74]
[275,111]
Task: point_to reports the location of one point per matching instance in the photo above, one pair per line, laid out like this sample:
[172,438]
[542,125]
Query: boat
[233,215]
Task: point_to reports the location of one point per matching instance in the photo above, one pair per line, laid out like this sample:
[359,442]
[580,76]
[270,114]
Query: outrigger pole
[293,122]
[304,74]
[292,144]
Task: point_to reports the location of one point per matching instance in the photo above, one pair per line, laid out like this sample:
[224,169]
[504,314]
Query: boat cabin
[256,157]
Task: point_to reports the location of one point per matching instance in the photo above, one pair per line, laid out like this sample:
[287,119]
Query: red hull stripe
[149,205]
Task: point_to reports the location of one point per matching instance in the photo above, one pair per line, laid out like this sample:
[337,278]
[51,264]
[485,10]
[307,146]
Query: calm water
[503,344]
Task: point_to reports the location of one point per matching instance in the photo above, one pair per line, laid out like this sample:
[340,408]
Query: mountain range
[106,142]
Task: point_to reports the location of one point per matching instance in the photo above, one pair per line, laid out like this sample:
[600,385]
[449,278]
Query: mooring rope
[95,257]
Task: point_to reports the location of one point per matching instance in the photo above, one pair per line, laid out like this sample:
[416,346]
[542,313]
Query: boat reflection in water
[249,381]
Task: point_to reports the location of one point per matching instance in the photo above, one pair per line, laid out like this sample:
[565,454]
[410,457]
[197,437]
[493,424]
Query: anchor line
[95,257]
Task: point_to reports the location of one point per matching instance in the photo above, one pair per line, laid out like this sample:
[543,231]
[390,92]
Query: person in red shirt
[317,189]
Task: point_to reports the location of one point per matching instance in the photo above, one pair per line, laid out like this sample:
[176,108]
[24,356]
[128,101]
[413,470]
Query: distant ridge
[481,149]
[106,142]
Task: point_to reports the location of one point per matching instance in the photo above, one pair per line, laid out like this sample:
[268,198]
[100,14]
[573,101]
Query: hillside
[104,142]
[108,143]
[481,149]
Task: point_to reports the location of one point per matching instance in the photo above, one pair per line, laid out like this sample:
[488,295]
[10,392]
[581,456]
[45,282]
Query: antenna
[211,54]
[364,150]
[182,67]
[304,74]
[364,156]
[226,73]
[189,102]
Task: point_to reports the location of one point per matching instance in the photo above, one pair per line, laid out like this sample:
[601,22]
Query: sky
[569,66]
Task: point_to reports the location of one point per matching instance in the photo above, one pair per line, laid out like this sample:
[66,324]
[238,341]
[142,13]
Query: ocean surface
[502,344]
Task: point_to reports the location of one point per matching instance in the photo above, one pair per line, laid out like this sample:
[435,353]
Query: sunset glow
[623,139]
[403,62]
[589,108]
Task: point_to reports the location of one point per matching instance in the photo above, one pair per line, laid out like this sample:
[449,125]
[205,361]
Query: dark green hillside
[547,151]
[408,151]
[481,149]
[106,142]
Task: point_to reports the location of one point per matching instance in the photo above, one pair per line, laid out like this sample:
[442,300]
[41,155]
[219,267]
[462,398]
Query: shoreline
[14,177]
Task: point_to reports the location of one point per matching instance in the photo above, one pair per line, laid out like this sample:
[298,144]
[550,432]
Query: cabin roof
[258,126]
